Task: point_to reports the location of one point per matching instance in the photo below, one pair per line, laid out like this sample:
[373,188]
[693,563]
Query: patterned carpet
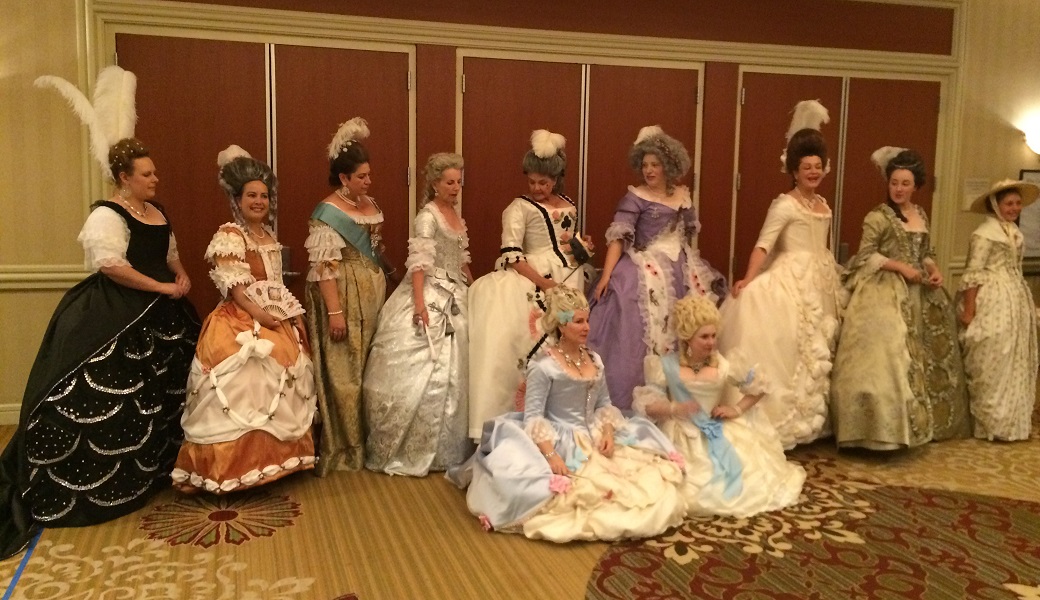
[959,519]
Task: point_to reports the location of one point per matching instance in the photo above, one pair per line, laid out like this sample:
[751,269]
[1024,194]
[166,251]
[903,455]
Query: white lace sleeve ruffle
[746,375]
[172,253]
[324,251]
[105,238]
[422,254]
[620,230]
[608,415]
[644,396]
[226,244]
[227,275]
[540,430]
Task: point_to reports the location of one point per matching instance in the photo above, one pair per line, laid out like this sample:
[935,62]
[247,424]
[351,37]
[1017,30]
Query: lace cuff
[608,415]
[227,275]
[973,279]
[619,230]
[226,244]
[873,263]
[109,261]
[324,251]
[540,430]
[105,238]
[422,253]
[645,395]
[172,253]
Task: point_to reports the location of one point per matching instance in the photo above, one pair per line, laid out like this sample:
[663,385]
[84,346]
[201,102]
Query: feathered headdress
[808,114]
[884,155]
[110,117]
[545,143]
[231,153]
[354,129]
[648,132]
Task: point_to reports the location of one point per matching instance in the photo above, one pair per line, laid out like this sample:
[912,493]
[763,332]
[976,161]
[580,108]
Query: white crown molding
[41,277]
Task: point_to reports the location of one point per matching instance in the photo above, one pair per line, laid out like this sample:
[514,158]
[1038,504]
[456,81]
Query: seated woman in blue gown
[571,467]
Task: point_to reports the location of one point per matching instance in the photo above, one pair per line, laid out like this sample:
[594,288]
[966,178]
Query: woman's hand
[935,278]
[337,327]
[738,287]
[725,412]
[910,274]
[184,283]
[606,443]
[588,243]
[557,465]
[268,321]
[601,288]
[421,315]
[301,328]
[172,290]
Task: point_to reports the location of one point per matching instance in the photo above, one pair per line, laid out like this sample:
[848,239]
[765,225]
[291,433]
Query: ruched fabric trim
[422,254]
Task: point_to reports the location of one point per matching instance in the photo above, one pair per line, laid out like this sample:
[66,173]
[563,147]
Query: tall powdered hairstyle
[804,137]
[346,152]
[436,165]
[559,299]
[237,168]
[546,157]
[670,151]
[890,159]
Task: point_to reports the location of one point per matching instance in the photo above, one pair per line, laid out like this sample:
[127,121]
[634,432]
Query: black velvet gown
[100,423]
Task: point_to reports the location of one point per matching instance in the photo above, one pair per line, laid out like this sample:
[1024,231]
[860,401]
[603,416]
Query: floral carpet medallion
[845,539]
[144,569]
[206,520]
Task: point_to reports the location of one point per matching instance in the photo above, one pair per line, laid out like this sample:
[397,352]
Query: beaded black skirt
[100,424]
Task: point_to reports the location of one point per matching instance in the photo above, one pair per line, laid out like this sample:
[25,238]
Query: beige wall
[44,194]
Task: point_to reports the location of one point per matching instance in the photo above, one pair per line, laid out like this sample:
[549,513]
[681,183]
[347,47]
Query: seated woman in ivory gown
[735,464]
[571,467]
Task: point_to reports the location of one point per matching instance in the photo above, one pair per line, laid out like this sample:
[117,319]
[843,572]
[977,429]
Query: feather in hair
[114,103]
[884,155]
[354,129]
[648,132]
[545,143]
[231,153]
[85,111]
[808,114]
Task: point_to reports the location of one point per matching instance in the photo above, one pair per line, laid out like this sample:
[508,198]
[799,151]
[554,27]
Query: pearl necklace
[344,197]
[809,203]
[581,361]
[136,212]
[261,236]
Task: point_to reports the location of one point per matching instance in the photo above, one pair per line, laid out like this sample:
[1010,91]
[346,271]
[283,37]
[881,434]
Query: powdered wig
[546,157]
[434,171]
[240,170]
[558,299]
[805,142]
[691,313]
[122,154]
[670,151]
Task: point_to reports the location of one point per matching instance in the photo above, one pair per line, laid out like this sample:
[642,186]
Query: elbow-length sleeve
[422,247]
[746,375]
[538,385]
[606,413]
[514,228]
[227,253]
[869,260]
[656,388]
[623,227]
[780,213]
[172,253]
[105,238]
[976,273]
[324,251]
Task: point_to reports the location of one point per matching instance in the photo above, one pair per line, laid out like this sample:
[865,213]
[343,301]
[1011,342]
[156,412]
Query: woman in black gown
[100,422]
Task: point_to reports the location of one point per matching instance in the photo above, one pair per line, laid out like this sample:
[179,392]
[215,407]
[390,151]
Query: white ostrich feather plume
[808,114]
[110,117]
[884,155]
[231,153]
[545,143]
[354,129]
[648,132]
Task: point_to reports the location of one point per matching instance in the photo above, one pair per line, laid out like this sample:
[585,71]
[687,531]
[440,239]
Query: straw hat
[1028,191]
